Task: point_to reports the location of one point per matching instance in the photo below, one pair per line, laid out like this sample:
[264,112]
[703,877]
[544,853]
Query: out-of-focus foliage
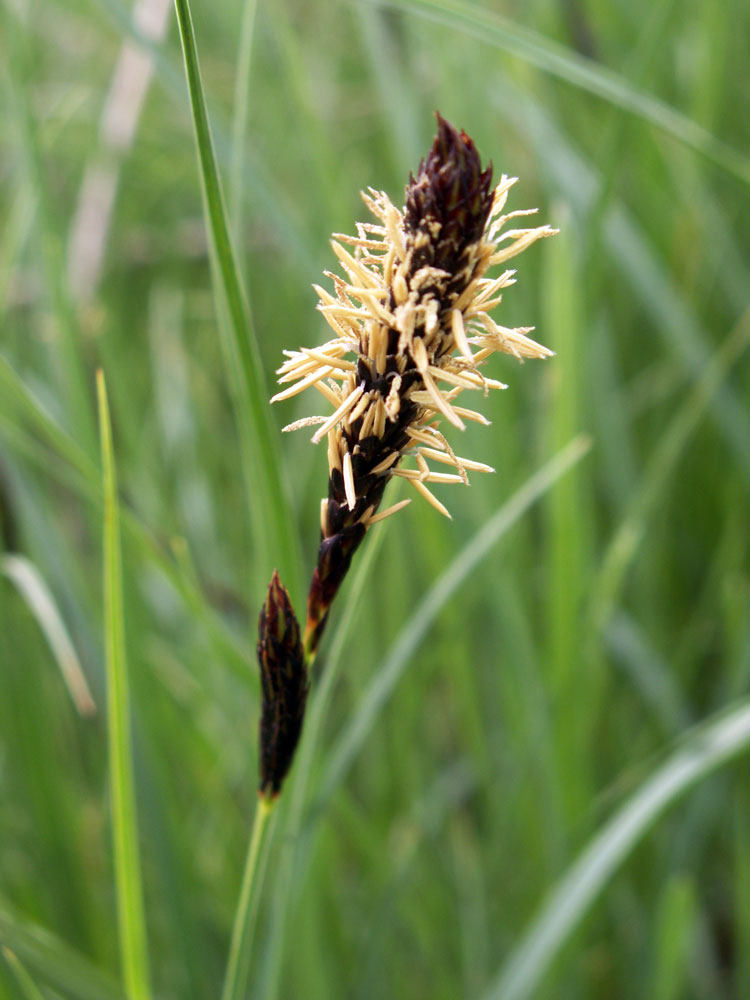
[609,619]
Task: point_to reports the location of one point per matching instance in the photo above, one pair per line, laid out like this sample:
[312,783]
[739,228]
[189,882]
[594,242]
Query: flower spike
[412,308]
[410,315]
[284,686]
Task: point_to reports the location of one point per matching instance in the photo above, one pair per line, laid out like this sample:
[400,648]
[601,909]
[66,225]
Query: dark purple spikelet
[284,686]
[447,207]
[413,310]
[449,201]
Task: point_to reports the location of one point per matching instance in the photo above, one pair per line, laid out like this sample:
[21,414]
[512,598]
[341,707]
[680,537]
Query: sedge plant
[412,332]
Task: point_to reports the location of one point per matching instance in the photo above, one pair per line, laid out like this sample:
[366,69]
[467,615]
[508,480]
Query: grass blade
[30,584]
[630,533]
[28,987]
[675,317]
[23,406]
[240,113]
[577,70]
[69,360]
[703,750]
[59,965]
[419,623]
[130,912]
[267,496]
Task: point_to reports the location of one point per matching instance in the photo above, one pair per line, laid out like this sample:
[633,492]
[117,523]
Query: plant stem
[238,964]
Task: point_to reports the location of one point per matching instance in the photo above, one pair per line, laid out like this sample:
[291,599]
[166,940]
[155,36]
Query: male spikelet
[412,327]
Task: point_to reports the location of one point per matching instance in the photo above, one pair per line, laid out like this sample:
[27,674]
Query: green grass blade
[130,912]
[28,987]
[31,585]
[675,932]
[577,70]
[19,405]
[629,535]
[674,315]
[703,750]
[415,629]
[16,398]
[55,961]
[69,359]
[240,114]
[269,503]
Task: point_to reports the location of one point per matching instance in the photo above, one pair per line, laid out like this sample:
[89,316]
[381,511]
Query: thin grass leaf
[240,114]
[267,495]
[268,197]
[28,987]
[413,632]
[69,362]
[673,315]
[57,963]
[631,531]
[22,405]
[675,930]
[577,70]
[30,584]
[703,749]
[130,912]
[17,400]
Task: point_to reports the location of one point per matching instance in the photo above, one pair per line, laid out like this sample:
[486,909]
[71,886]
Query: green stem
[267,495]
[238,964]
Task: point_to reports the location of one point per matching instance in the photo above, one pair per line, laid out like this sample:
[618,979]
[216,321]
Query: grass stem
[240,949]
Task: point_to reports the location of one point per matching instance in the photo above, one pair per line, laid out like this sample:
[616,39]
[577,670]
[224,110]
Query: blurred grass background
[423,831]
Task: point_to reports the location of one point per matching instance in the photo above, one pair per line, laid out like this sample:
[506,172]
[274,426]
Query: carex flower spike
[414,311]
[412,332]
[284,685]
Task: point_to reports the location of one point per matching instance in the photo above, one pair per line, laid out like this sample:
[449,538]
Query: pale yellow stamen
[466,379]
[387,513]
[459,335]
[334,455]
[348,403]
[428,476]
[304,422]
[325,359]
[386,463]
[316,376]
[380,417]
[430,498]
[393,399]
[367,422]
[478,418]
[333,398]
[359,409]
[466,463]
[351,496]
[354,268]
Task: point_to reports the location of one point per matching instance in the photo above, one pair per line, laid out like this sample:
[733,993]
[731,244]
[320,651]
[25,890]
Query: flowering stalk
[413,314]
[412,331]
[284,685]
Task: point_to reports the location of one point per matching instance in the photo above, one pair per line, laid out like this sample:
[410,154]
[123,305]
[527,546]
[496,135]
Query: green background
[448,783]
